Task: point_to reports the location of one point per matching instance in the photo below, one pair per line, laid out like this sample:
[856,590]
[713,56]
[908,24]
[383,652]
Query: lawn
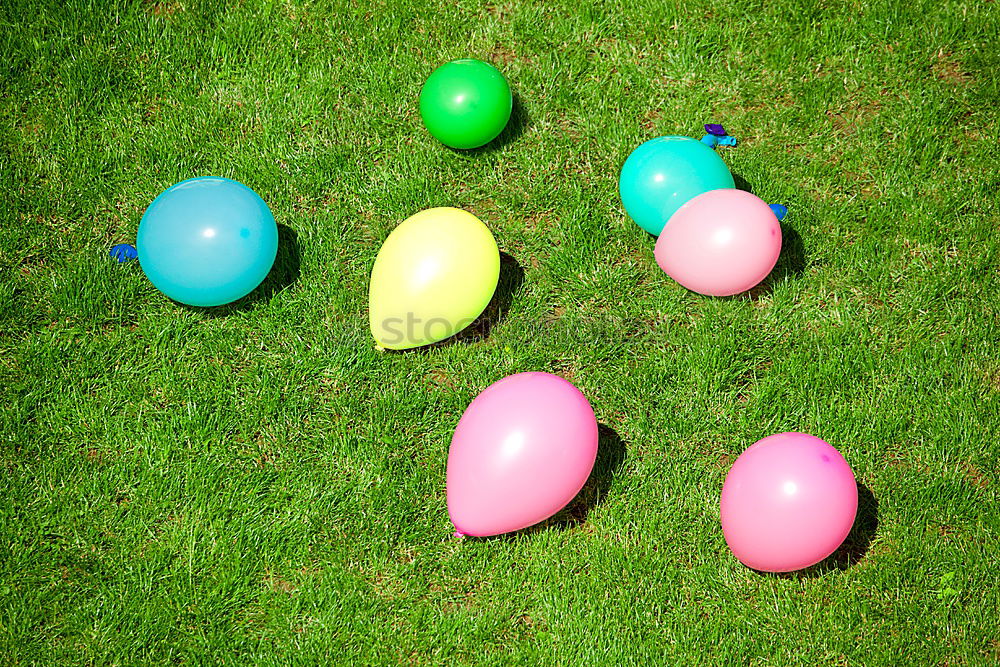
[258,484]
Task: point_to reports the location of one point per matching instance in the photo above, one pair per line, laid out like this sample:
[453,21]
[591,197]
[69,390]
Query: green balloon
[465,103]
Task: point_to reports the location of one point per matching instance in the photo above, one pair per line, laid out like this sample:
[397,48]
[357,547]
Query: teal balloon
[207,241]
[663,174]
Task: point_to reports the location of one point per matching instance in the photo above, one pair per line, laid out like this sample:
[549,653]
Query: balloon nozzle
[123,252]
[717,136]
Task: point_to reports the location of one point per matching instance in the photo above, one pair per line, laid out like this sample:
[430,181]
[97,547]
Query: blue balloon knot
[779,211]
[717,136]
[123,252]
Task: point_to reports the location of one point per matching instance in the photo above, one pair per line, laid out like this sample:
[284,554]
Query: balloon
[465,103]
[207,241]
[788,502]
[663,174]
[720,243]
[433,277]
[521,452]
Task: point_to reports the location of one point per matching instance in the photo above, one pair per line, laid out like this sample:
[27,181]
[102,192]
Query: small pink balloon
[521,452]
[720,243]
[788,502]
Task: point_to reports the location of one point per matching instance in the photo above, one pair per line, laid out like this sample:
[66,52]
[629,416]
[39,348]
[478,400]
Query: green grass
[257,484]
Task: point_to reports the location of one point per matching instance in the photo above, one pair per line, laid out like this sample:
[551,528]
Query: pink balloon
[788,502]
[721,242]
[521,451]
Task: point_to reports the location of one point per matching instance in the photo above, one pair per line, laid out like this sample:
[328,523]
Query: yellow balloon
[433,277]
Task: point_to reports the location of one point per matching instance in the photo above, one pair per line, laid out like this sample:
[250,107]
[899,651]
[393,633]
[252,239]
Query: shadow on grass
[509,282]
[855,545]
[742,184]
[610,458]
[283,274]
[515,127]
[791,264]
[791,261]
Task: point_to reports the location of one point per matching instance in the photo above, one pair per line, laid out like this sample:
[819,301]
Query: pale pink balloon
[521,452]
[721,242]
[788,502]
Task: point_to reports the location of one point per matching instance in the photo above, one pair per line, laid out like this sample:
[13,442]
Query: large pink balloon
[721,242]
[523,449]
[788,502]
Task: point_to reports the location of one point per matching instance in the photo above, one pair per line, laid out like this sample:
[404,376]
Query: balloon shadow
[791,260]
[515,127]
[791,264]
[855,545]
[742,183]
[283,274]
[610,458]
[510,281]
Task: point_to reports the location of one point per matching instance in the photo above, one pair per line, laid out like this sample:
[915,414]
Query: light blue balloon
[663,174]
[207,241]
